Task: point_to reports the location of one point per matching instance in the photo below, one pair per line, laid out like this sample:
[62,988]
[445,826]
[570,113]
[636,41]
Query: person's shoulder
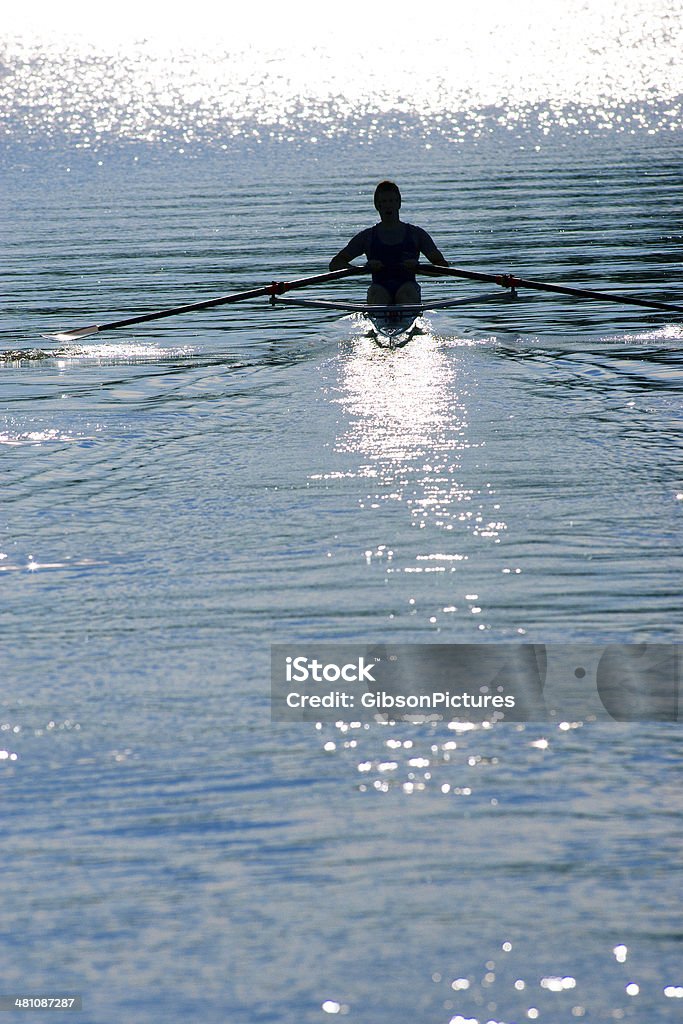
[358,245]
[422,238]
[418,230]
[362,235]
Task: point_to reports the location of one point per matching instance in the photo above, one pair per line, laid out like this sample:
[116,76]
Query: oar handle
[511,281]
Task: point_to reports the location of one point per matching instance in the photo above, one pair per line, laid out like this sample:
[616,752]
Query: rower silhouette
[392,249]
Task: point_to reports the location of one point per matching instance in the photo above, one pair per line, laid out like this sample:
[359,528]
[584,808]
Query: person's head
[387,196]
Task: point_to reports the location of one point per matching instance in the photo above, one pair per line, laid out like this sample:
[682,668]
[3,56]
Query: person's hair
[387,186]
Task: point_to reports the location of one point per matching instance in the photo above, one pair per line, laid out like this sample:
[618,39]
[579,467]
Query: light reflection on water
[579,68]
[407,423]
[401,405]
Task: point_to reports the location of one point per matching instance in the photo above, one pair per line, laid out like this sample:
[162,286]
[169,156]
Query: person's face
[388,204]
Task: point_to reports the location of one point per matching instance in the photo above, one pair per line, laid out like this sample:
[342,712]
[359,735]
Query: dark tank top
[393,275]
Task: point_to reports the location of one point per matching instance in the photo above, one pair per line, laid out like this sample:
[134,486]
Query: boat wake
[427,329]
[665,339]
[438,329]
[106,354]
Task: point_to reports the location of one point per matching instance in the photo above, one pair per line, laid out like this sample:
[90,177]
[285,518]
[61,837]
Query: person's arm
[355,248]
[429,249]
[436,257]
[341,260]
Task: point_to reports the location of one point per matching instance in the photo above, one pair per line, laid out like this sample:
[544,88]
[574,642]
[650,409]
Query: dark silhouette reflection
[640,682]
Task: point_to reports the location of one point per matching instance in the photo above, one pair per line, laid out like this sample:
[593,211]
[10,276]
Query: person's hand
[374,265]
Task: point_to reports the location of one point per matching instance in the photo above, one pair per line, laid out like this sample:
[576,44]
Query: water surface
[181,495]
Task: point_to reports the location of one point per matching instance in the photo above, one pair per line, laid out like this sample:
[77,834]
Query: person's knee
[409,292]
[378,296]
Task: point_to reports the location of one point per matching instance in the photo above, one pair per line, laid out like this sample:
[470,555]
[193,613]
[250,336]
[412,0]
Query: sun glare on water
[204,74]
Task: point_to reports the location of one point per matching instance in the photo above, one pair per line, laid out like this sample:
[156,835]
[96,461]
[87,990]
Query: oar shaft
[253,293]
[587,293]
[276,288]
[188,308]
[510,281]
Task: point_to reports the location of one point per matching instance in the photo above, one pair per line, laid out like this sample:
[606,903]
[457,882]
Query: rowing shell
[393,326]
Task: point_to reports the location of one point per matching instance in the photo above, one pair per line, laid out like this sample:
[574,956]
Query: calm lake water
[180,495]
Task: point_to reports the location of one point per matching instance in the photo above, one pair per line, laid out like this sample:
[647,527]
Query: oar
[510,281]
[275,288]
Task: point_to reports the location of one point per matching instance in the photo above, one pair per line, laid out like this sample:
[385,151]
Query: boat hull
[393,328]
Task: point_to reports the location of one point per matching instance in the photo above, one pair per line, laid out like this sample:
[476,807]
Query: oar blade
[75,335]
